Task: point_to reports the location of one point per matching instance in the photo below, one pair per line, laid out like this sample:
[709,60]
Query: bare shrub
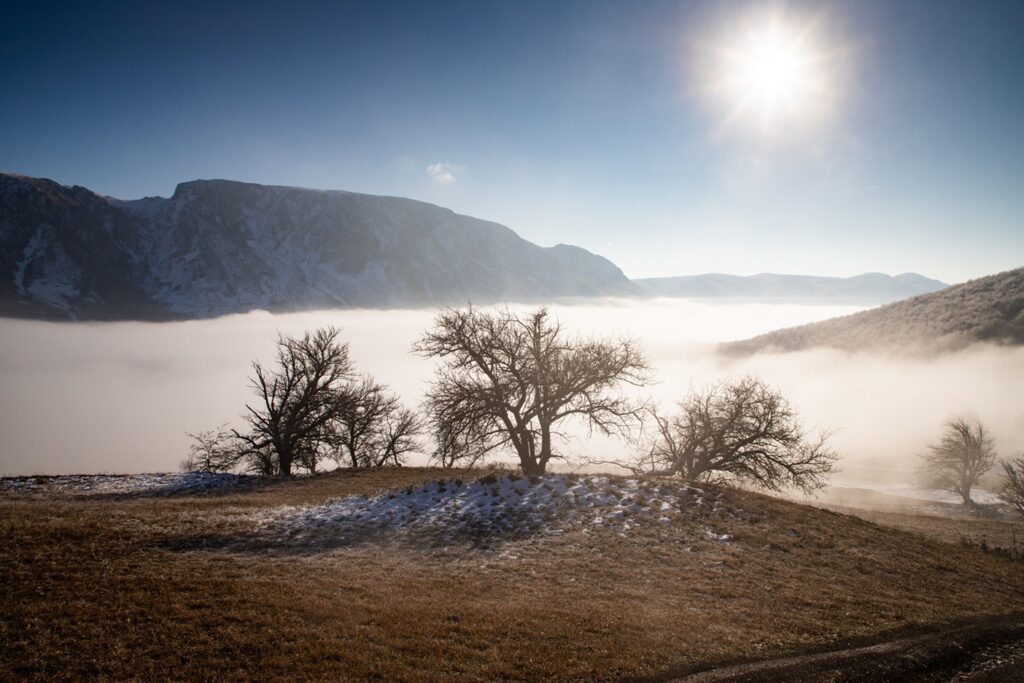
[213,450]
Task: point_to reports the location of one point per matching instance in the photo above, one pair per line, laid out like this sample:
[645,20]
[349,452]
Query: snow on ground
[127,484]
[505,505]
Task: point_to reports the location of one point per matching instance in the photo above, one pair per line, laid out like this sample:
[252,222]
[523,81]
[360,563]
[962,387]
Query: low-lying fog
[119,397]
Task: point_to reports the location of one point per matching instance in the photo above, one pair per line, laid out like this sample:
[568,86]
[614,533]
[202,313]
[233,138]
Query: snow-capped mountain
[218,247]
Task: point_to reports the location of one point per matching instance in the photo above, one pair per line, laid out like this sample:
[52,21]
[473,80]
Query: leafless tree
[262,461]
[357,423]
[399,436]
[298,400]
[963,453]
[372,428]
[510,380]
[1012,492]
[462,442]
[742,430]
[213,450]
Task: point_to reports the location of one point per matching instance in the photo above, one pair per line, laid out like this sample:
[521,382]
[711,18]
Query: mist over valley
[126,393]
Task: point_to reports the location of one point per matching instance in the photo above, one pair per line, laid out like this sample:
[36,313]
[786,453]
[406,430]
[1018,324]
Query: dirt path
[980,650]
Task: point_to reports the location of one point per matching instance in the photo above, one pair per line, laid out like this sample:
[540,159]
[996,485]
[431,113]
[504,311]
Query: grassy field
[145,588]
[995,532]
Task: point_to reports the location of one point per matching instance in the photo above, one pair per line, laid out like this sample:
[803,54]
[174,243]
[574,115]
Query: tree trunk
[284,464]
[545,447]
[965,495]
[531,468]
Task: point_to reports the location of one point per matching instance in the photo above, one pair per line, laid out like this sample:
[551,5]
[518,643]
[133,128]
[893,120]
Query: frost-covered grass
[98,587]
[166,483]
[495,505]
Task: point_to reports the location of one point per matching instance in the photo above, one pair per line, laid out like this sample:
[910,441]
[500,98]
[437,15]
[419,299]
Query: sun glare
[772,69]
[771,76]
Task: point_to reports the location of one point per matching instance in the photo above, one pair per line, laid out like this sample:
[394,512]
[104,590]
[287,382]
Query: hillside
[414,574]
[989,309]
[869,288]
[217,247]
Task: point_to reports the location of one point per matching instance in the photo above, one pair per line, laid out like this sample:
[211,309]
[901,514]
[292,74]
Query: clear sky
[602,124]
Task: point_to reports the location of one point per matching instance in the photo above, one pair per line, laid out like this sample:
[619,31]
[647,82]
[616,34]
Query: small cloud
[443,172]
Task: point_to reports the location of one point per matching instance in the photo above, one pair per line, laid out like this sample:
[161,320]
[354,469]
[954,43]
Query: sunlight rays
[771,75]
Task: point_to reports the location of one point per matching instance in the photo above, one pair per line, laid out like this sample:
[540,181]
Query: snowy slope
[508,505]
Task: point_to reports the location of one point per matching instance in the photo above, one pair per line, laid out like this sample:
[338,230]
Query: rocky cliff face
[218,247]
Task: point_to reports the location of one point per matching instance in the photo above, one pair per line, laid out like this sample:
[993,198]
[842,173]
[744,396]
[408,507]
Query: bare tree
[356,426]
[298,400]
[463,442]
[262,461]
[955,463]
[372,428]
[1012,492]
[399,436]
[213,450]
[741,430]
[510,380]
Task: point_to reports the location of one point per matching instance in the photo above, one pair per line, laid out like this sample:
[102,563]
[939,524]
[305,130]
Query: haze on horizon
[828,138]
[124,394]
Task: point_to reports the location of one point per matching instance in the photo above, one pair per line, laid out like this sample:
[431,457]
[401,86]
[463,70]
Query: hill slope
[218,247]
[869,288]
[570,581]
[989,309]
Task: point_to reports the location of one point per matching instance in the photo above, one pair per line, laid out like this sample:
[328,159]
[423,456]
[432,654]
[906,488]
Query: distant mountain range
[217,247]
[867,289]
[989,309]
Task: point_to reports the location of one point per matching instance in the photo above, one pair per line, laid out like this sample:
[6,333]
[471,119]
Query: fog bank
[119,397]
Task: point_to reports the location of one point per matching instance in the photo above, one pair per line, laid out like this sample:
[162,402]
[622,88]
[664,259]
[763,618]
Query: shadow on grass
[321,541]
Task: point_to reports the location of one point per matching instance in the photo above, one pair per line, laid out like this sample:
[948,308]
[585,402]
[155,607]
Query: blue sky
[581,122]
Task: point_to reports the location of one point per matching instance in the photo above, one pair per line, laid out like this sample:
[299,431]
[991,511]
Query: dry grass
[996,531]
[91,589]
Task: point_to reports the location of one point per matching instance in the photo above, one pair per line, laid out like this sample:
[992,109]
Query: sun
[771,75]
[772,70]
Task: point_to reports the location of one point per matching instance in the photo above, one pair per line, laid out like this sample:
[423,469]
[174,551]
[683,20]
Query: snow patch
[164,484]
[506,505]
[32,249]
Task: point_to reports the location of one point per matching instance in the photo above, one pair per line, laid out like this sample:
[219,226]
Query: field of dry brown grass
[1003,531]
[139,588]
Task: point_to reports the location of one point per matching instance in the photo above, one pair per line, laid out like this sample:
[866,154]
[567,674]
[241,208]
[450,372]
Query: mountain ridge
[987,309]
[221,246]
